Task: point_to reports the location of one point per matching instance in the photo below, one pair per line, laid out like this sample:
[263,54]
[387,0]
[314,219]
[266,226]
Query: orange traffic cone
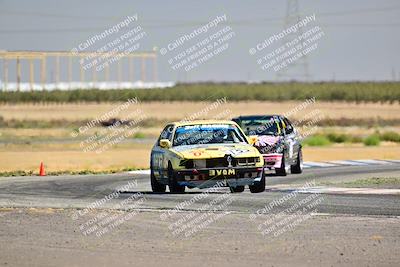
[41,170]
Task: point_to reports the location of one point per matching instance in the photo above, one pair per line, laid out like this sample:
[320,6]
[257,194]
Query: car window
[167,132]
[264,126]
[207,134]
[289,127]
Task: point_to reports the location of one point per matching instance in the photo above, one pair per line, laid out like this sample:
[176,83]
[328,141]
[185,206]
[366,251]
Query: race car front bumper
[273,160]
[229,176]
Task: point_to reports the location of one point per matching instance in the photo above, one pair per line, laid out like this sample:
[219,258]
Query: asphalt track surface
[80,191]
[43,223]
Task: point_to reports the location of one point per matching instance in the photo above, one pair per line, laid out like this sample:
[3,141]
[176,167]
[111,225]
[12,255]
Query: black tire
[173,185]
[237,189]
[281,171]
[156,187]
[298,167]
[258,187]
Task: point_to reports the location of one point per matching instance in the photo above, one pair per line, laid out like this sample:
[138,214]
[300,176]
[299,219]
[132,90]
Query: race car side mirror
[165,143]
[252,139]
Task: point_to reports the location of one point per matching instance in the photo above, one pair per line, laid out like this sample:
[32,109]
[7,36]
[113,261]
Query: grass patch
[64,123]
[56,173]
[316,140]
[356,139]
[156,122]
[339,138]
[390,136]
[324,91]
[325,139]
[139,135]
[375,139]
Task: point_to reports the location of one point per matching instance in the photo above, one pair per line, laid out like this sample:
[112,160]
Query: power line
[298,68]
[67,16]
[359,11]
[185,24]
[58,16]
[38,31]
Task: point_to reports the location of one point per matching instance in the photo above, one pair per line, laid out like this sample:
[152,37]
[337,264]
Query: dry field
[60,157]
[24,149]
[179,110]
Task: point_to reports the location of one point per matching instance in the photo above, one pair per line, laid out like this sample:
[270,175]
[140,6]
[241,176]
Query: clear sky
[361,37]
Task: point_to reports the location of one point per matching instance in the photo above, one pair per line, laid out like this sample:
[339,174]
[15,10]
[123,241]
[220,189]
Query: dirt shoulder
[49,237]
[374,182]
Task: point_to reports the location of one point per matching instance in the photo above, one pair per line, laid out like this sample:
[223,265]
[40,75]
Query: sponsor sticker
[224,172]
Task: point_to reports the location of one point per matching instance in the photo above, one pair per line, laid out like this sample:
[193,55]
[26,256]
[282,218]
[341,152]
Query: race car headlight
[199,163]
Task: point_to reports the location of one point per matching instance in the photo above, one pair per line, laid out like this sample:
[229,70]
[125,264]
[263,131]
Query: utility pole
[299,68]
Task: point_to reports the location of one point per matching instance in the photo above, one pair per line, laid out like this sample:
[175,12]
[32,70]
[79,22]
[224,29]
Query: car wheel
[258,187]
[156,187]
[298,167]
[237,189]
[281,171]
[173,185]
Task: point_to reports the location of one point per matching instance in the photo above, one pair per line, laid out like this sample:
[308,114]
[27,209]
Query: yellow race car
[205,153]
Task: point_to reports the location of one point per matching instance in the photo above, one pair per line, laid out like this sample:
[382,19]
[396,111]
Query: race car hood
[267,140]
[207,151]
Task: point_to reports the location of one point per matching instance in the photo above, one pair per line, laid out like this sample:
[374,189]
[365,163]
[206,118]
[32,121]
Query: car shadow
[169,193]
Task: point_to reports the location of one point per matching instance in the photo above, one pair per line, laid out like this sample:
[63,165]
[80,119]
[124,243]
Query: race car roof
[196,122]
[255,117]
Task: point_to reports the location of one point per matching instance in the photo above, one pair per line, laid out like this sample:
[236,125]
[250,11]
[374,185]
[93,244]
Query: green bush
[338,138]
[390,136]
[343,138]
[316,140]
[139,135]
[372,140]
[356,139]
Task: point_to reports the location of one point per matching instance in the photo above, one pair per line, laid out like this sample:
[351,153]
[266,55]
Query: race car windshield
[260,127]
[207,134]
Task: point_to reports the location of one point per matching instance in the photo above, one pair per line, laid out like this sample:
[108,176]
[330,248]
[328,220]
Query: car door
[292,140]
[281,126]
[159,155]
